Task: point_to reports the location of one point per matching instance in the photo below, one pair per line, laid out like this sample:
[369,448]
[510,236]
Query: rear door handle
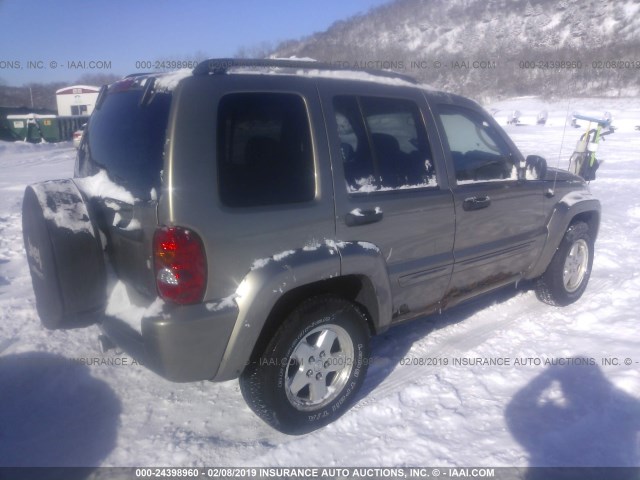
[363,217]
[476,203]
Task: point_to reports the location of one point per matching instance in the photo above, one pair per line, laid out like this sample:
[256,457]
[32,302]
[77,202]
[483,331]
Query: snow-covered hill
[586,38]
[430,398]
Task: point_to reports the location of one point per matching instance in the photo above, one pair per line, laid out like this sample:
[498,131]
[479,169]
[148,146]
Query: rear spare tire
[64,254]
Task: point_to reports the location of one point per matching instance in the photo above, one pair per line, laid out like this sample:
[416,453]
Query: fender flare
[366,259]
[270,279]
[569,207]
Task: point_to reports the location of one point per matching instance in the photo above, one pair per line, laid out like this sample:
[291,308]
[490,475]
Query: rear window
[265,154]
[127,140]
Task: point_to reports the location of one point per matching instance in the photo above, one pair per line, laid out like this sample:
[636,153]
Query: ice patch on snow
[634,212]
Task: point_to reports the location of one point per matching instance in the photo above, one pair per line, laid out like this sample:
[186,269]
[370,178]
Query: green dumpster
[19,126]
[33,128]
[49,128]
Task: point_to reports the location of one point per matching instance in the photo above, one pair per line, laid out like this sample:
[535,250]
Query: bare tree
[97,79]
[259,50]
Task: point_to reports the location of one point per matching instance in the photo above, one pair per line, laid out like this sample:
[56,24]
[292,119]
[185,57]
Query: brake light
[180,265]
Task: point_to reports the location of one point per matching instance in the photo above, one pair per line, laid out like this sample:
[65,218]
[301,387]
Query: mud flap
[64,254]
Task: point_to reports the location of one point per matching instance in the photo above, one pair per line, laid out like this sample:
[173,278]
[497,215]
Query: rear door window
[383,143]
[265,154]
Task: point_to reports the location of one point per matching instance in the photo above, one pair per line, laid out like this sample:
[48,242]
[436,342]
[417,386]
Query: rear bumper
[181,344]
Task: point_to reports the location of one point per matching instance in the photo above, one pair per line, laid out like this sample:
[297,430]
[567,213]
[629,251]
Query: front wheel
[566,277]
[312,368]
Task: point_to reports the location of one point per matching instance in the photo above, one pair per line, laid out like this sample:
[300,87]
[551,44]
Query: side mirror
[535,168]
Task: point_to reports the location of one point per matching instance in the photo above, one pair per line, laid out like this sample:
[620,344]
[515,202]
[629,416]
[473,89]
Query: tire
[566,277]
[64,254]
[313,367]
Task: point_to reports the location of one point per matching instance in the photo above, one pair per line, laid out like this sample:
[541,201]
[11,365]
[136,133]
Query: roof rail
[140,74]
[223,65]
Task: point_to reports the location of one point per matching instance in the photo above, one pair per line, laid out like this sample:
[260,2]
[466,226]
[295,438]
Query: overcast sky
[43,41]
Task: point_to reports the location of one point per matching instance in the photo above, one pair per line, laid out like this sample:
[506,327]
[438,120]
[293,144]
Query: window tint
[383,144]
[264,150]
[127,139]
[478,152]
[357,159]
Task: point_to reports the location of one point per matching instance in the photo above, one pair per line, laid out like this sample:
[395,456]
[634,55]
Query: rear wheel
[312,368]
[566,277]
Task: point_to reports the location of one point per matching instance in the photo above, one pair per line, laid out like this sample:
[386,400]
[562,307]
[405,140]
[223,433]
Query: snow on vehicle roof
[337,74]
[293,58]
[169,81]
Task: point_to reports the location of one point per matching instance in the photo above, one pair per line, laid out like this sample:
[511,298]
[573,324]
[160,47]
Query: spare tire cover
[64,253]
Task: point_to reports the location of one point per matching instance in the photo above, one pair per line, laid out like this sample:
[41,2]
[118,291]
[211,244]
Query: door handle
[476,203]
[362,217]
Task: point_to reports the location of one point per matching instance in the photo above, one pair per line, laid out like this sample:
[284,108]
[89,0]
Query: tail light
[180,265]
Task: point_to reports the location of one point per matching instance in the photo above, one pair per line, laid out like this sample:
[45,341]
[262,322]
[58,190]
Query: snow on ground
[446,408]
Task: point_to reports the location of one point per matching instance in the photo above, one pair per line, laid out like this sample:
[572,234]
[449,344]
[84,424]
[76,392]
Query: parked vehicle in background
[270,224]
[77,136]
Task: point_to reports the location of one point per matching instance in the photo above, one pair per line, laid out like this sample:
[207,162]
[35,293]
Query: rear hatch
[119,168]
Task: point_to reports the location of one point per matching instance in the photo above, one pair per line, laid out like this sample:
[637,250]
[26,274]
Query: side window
[478,152]
[360,173]
[265,154]
[383,143]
